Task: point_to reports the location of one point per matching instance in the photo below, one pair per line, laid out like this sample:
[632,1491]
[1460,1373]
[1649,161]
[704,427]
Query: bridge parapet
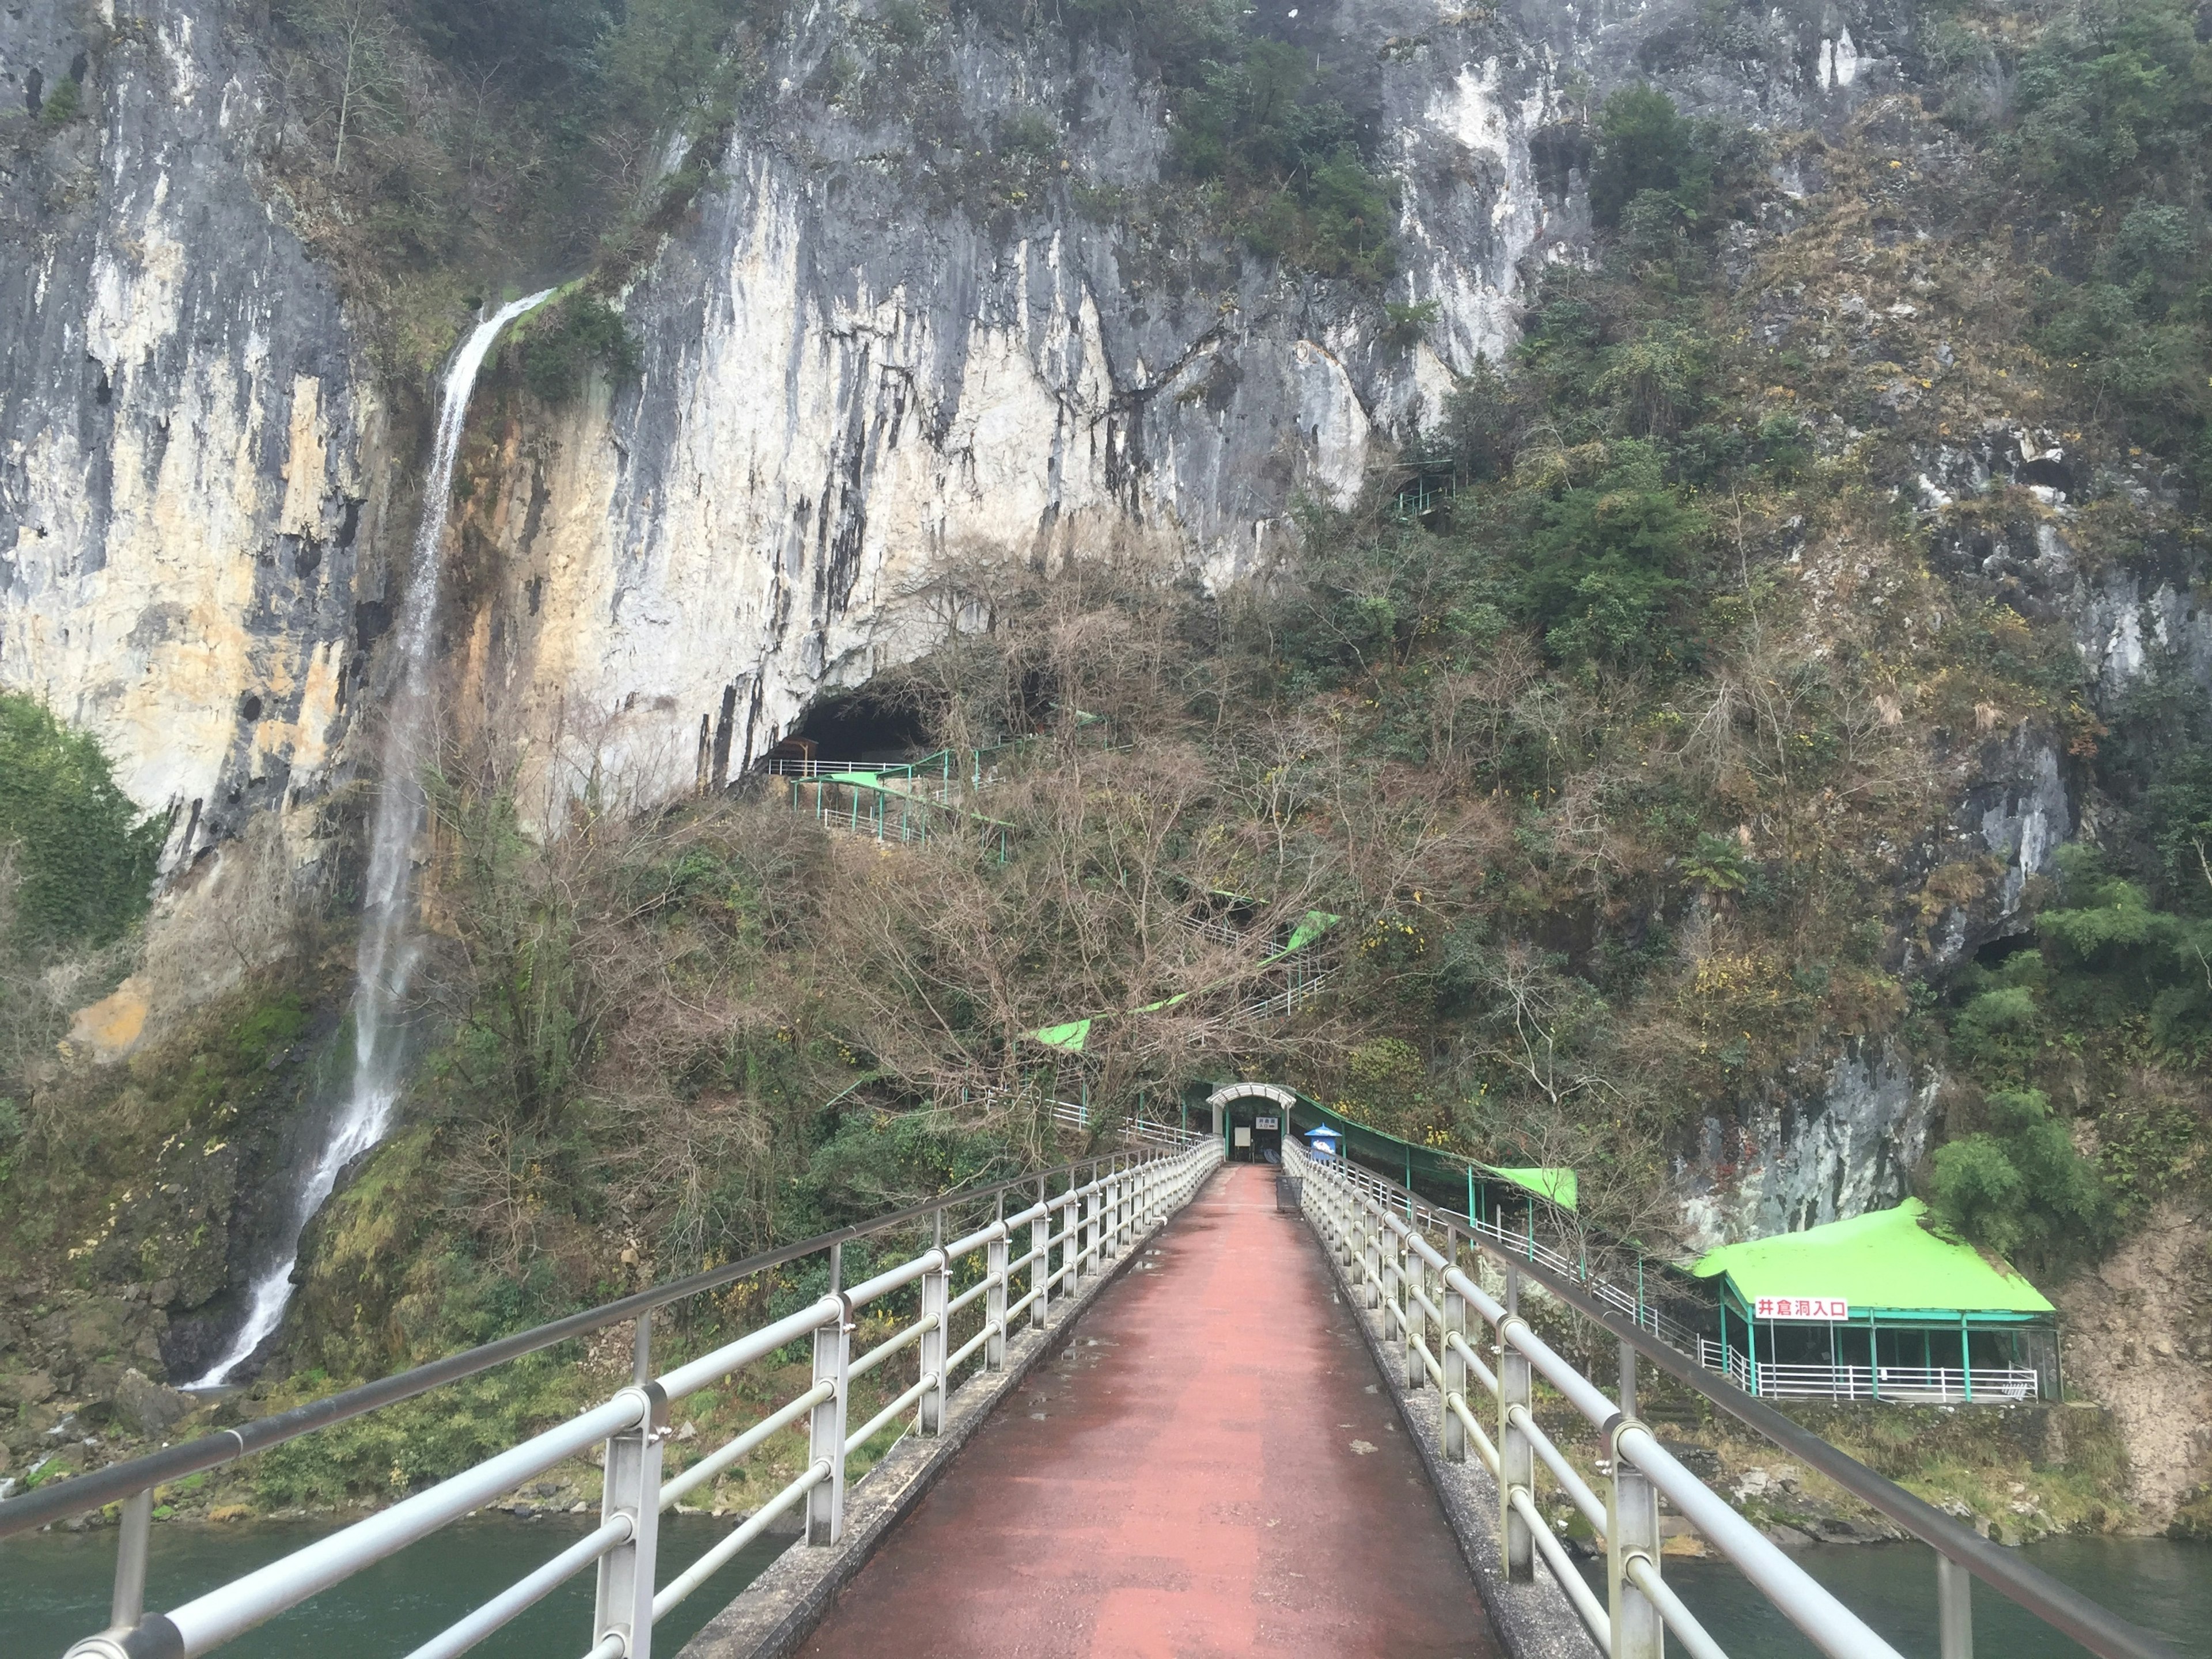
[1073,1235]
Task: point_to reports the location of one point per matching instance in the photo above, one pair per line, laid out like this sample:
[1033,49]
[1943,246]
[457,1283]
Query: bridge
[1148,1402]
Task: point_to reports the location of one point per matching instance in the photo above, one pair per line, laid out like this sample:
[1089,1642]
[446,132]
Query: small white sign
[1265,1123]
[1802,1307]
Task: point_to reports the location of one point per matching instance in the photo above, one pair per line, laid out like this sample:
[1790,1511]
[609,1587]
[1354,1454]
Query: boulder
[153,1407]
[21,1389]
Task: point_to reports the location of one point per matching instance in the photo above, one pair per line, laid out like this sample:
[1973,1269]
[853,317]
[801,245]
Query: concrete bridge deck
[1212,1467]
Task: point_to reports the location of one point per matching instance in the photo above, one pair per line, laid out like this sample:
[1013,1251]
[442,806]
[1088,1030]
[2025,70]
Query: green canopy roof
[1071,1037]
[1885,1259]
[1558,1185]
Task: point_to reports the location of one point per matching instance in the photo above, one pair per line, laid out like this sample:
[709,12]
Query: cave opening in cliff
[862,726]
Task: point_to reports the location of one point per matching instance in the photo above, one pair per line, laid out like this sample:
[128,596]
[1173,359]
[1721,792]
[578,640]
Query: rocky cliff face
[860,361]
[865,352]
[191,458]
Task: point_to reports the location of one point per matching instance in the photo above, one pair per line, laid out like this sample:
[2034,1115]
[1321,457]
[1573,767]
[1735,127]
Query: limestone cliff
[190,447]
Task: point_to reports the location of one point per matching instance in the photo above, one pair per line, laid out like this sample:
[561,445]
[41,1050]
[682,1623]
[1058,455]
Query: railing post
[1371,1254]
[936,1340]
[1451,1431]
[1414,1324]
[994,1299]
[1631,1529]
[825,1505]
[1081,1220]
[1393,1259]
[632,1489]
[1516,1457]
[1041,1248]
[641,1350]
[133,1542]
[1955,1608]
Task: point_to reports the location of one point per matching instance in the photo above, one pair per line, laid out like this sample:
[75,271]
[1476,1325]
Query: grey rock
[152,1407]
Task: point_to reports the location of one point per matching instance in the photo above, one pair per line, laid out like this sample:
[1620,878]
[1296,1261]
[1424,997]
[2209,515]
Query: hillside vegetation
[1638,764]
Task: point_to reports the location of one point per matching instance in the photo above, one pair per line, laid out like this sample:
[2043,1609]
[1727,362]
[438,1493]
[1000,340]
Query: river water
[2163,1586]
[54,1588]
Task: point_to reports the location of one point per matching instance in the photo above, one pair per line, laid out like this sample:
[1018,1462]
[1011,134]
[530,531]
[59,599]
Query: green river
[54,1586]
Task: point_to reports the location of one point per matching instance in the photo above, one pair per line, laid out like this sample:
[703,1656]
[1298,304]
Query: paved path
[1210,1468]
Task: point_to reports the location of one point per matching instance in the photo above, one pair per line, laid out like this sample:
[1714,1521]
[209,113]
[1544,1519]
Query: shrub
[2018,1186]
[84,857]
[64,104]
[575,333]
[1656,172]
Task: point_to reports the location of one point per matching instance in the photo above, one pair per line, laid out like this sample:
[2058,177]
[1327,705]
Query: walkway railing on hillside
[1107,1203]
[1170,1137]
[1404,1258]
[1909,1385]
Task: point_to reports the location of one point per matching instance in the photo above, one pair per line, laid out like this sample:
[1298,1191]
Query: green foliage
[576,333]
[391,1452]
[2122,86]
[2018,1186]
[1408,323]
[1029,132]
[2113,111]
[1656,171]
[84,859]
[1610,568]
[521,1027]
[64,104]
[1262,124]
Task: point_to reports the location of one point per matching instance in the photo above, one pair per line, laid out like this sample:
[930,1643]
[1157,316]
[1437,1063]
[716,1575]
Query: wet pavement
[1211,1468]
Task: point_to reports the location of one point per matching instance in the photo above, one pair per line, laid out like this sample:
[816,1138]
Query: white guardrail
[1080,1229]
[1911,1385]
[1629,1305]
[1386,1240]
[1426,1298]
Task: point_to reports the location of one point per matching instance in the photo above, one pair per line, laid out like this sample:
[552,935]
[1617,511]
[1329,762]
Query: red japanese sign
[1802,1307]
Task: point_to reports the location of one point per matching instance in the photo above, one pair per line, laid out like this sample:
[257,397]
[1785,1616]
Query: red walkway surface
[1210,1468]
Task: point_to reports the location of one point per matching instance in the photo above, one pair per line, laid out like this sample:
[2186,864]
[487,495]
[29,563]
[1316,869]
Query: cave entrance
[856,728]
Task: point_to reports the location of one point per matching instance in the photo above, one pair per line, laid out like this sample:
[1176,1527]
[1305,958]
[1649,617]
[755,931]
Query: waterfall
[388,948]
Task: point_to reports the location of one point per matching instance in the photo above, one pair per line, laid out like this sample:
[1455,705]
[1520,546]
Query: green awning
[1887,1259]
[1558,1185]
[1071,1037]
[1440,1174]
[1311,926]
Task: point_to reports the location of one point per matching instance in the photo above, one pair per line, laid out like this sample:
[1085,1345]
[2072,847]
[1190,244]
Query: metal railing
[1909,1385]
[1527,1247]
[1168,1136]
[1424,1295]
[1106,1204]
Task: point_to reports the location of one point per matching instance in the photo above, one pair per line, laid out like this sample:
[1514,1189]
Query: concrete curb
[1533,1620]
[778,1611]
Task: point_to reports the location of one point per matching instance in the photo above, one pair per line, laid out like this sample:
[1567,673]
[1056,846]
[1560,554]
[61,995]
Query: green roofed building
[1880,1307]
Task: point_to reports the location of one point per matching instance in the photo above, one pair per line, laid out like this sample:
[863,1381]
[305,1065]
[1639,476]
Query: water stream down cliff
[387,951]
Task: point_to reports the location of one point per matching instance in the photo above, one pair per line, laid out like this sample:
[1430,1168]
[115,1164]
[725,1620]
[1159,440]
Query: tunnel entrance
[1255,1131]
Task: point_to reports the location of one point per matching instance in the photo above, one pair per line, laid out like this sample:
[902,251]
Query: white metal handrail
[1431,1218]
[1087,1226]
[1074,1116]
[1400,1271]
